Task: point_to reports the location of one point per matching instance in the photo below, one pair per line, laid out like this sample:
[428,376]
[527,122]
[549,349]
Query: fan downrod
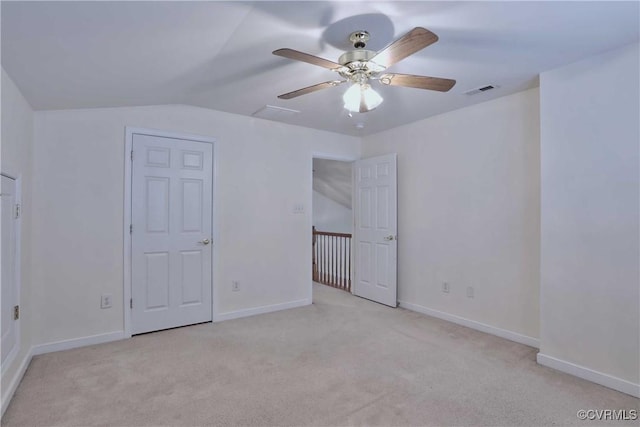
[358,58]
[359,39]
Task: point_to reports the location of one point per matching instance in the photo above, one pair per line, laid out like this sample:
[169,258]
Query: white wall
[329,215]
[590,288]
[262,169]
[17,141]
[468,212]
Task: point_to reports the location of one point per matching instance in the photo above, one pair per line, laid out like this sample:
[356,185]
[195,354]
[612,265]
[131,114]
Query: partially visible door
[9,277]
[171,233]
[375,249]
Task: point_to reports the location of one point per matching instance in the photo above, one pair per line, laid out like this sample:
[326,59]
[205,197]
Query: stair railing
[331,259]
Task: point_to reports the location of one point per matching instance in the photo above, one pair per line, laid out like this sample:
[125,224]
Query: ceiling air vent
[482,89]
[271,112]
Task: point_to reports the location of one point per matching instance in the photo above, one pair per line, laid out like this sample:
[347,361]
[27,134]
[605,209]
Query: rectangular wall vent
[271,112]
[482,89]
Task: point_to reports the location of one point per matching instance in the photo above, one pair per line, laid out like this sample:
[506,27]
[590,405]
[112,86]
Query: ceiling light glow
[360,98]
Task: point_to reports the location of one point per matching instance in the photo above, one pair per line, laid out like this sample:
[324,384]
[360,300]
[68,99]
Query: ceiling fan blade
[419,82]
[410,43]
[305,57]
[311,89]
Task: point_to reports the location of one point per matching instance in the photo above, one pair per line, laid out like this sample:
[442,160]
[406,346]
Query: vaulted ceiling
[65,55]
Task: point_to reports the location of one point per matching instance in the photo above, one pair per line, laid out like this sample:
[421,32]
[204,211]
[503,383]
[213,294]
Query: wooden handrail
[327,233]
[331,258]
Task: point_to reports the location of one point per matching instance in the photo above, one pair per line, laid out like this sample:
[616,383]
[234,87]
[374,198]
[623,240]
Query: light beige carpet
[341,361]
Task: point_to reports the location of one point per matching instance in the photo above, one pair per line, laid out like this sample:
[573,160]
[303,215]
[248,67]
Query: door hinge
[131,154]
[18,210]
[16,312]
[130,228]
[131,303]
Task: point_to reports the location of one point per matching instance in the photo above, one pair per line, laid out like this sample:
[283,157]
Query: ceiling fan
[360,66]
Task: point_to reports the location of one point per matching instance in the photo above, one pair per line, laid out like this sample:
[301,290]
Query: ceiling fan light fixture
[360,98]
[359,66]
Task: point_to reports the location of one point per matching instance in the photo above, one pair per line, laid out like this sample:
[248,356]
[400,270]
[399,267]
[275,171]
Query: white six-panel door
[9,295]
[375,249]
[171,235]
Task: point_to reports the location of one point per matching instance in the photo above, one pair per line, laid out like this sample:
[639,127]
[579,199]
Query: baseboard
[15,381]
[11,358]
[502,333]
[609,381]
[260,310]
[77,342]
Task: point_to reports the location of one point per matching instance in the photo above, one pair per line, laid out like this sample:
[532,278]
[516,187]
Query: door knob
[205,241]
[390,237]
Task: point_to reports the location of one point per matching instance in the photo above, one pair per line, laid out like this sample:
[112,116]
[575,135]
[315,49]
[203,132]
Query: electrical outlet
[106,301]
[298,208]
[235,286]
[445,287]
[470,292]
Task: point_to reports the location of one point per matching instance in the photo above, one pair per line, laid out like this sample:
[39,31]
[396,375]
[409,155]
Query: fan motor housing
[362,55]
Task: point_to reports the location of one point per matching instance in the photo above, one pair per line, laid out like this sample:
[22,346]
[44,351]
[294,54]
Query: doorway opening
[332,219]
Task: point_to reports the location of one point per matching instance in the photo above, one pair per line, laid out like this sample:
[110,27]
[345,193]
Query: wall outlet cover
[106,301]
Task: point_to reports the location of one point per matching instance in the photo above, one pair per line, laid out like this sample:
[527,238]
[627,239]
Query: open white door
[375,249]
[10,287]
[171,233]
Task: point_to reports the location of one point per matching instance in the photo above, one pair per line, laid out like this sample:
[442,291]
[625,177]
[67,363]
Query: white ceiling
[217,55]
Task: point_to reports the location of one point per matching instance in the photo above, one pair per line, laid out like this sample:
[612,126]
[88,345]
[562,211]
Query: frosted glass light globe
[360,98]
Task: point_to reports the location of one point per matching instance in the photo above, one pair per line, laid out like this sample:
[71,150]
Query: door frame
[341,158]
[130,131]
[17,266]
